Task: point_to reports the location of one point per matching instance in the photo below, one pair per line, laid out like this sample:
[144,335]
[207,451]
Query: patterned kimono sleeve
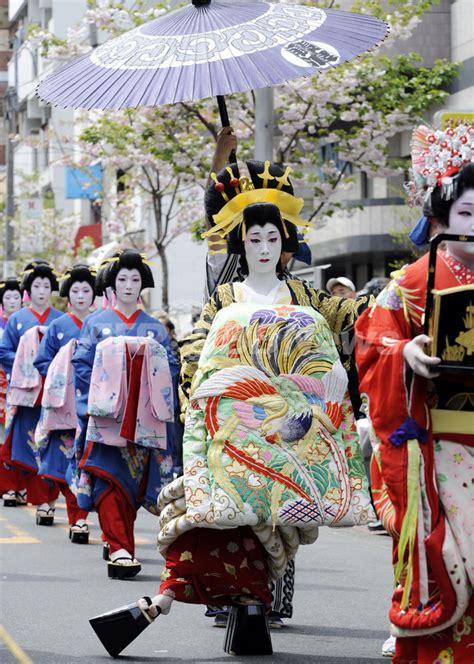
[381,335]
[341,314]
[191,348]
[82,361]
[47,350]
[172,360]
[8,345]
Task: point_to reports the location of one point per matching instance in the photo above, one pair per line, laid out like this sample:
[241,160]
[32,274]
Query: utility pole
[264,124]
[10,122]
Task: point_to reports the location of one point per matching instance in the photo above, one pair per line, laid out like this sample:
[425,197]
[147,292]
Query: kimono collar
[42,318]
[75,320]
[128,321]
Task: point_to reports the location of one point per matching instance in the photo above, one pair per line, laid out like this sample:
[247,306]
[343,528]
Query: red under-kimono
[422,486]
[210,566]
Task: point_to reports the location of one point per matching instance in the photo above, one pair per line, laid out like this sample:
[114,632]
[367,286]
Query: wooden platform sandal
[123,568]
[45,517]
[79,534]
[21,499]
[9,499]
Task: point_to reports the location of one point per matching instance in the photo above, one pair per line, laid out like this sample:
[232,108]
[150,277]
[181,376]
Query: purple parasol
[211,49]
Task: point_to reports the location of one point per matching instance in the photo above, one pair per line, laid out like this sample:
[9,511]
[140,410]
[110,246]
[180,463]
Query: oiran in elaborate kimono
[270,447]
[424,419]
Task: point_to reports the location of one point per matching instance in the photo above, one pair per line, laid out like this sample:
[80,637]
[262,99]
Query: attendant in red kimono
[18,451]
[11,486]
[424,421]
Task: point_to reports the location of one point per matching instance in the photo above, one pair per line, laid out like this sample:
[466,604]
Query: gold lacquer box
[449,317]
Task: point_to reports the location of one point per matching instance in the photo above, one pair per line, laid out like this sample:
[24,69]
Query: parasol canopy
[211,48]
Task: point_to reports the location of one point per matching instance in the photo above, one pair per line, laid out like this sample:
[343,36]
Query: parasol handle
[200,3]
[225,123]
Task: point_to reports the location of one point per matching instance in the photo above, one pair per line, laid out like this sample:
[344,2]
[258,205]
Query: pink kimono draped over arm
[109,392]
[59,406]
[25,383]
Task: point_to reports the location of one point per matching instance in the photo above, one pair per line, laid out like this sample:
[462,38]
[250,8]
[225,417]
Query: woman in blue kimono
[116,481]
[39,281]
[56,450]
[11,483]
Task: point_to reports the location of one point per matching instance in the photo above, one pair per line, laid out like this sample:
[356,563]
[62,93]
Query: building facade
[361,245]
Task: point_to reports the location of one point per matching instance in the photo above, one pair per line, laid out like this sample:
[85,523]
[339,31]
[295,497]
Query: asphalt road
[50,588]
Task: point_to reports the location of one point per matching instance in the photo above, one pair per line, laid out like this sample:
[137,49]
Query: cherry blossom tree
[43,233]
[327,125]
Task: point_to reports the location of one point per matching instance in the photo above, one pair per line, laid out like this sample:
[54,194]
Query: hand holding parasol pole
[225,123]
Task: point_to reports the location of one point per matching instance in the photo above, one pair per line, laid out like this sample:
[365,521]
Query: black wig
[9,284]
[129,259]
[76,273]
[100,278]
[259,213]
[438,207]
[38,268]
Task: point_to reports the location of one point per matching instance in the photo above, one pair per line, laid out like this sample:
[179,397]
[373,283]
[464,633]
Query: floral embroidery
[230,569]
[186,555]
[227,333]
[462,628]
[277,314]
[188,590]
[249,544]
[445,657]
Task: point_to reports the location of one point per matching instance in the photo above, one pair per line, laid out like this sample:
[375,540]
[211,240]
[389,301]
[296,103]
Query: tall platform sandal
[117,629]
[45,517]
[79,533]
[106,551]
[247,631]
[123,568]
[9,499]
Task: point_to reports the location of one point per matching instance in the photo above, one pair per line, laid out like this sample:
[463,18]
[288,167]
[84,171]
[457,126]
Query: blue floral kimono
[102,466]
[55,453]
[21,427]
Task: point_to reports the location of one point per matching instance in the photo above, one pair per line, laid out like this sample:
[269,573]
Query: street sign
[84,182]
[31,236]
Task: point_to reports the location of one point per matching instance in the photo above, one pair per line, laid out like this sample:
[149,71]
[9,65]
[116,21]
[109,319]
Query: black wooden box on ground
[449,318]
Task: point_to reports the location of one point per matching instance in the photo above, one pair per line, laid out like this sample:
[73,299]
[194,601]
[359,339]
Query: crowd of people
[242,439]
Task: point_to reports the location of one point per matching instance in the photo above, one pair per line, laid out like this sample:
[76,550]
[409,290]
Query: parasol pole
[225,123]
[220,98]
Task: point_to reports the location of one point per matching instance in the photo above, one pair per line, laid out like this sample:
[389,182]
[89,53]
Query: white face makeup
[128,284]
[11,302]
[461,222]
[262,249]
[40,292]
[80,297]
